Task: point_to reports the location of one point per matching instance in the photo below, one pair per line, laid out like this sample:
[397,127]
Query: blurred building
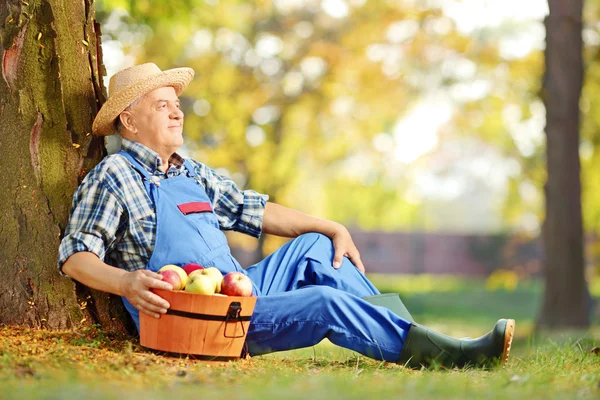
[438,253]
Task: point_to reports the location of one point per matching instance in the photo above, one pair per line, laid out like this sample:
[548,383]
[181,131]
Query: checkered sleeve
[238,210]
[93,223]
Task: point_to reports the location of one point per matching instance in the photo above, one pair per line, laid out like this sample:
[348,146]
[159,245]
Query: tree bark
[50,90]
[566,297]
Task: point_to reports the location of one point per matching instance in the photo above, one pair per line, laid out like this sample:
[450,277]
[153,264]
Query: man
[146,206]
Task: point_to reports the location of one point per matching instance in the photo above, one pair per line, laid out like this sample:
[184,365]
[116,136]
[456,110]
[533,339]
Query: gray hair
[118,124]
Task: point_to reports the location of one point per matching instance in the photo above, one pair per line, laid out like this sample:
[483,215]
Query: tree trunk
[50,91]
[566,303]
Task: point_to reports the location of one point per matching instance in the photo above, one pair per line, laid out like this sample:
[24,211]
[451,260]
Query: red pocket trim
[194,207]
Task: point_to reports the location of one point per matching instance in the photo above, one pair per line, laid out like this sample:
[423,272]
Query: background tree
[566,298]
[49,94]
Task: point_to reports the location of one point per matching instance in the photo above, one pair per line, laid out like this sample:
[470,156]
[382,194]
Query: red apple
[236,284]
[191,267]
[173,278]
[179,271]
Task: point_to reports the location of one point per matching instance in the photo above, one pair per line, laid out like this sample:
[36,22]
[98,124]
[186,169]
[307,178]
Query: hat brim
[104,123]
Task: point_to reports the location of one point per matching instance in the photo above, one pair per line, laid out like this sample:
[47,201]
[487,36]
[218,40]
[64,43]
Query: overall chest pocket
[201,215]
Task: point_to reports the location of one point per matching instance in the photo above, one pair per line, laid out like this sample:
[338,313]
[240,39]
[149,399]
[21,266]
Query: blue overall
[301,300]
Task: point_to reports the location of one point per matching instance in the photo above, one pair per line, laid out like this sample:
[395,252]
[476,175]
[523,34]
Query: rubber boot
[392,302]
[426,347]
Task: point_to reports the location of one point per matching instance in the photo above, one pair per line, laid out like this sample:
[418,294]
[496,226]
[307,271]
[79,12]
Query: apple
[200,284]
[216,275]
[191,267]
[173,278]
[211,273]
[236,284]
[182,274]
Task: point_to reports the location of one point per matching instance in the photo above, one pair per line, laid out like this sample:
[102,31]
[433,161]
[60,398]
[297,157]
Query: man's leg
[304,317]
[307,260]
[284,321]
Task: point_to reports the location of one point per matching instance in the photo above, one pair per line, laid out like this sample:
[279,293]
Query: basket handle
[233,315]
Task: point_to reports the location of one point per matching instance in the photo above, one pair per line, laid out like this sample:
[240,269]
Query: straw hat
[128,85]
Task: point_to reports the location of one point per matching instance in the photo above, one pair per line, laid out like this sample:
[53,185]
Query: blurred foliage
[420,284]
[302,104]
[510,117]
[590,127]
[294,102]
[502,279]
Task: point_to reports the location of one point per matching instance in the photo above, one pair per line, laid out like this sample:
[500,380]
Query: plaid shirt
[113,217]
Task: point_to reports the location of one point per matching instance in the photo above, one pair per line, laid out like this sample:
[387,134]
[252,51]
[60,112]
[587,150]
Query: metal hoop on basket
[233,315]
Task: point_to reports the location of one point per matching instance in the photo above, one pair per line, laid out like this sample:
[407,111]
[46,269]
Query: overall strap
[188,165]
[190,168]
[136,164]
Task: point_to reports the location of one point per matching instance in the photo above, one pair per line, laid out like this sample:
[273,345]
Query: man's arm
[283,221]
[88,269]
[95,217]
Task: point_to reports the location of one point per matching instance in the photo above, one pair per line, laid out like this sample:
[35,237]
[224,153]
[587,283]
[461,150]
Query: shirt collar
[148,157]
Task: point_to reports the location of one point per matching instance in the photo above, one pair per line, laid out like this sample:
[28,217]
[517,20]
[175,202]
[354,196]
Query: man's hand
[136,285]
[344,247]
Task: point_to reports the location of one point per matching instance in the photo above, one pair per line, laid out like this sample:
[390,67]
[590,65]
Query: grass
[90,364]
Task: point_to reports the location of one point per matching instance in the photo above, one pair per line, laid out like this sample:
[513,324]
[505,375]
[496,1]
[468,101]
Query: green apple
[200,284]
[216,275]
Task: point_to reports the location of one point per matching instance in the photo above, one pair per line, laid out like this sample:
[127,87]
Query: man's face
[157,121]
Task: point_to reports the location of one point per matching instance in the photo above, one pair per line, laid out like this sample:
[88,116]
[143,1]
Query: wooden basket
[209,327]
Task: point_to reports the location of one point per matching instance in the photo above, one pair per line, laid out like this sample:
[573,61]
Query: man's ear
[127,121]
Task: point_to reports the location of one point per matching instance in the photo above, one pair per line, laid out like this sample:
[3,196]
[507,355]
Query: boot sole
[509,333]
